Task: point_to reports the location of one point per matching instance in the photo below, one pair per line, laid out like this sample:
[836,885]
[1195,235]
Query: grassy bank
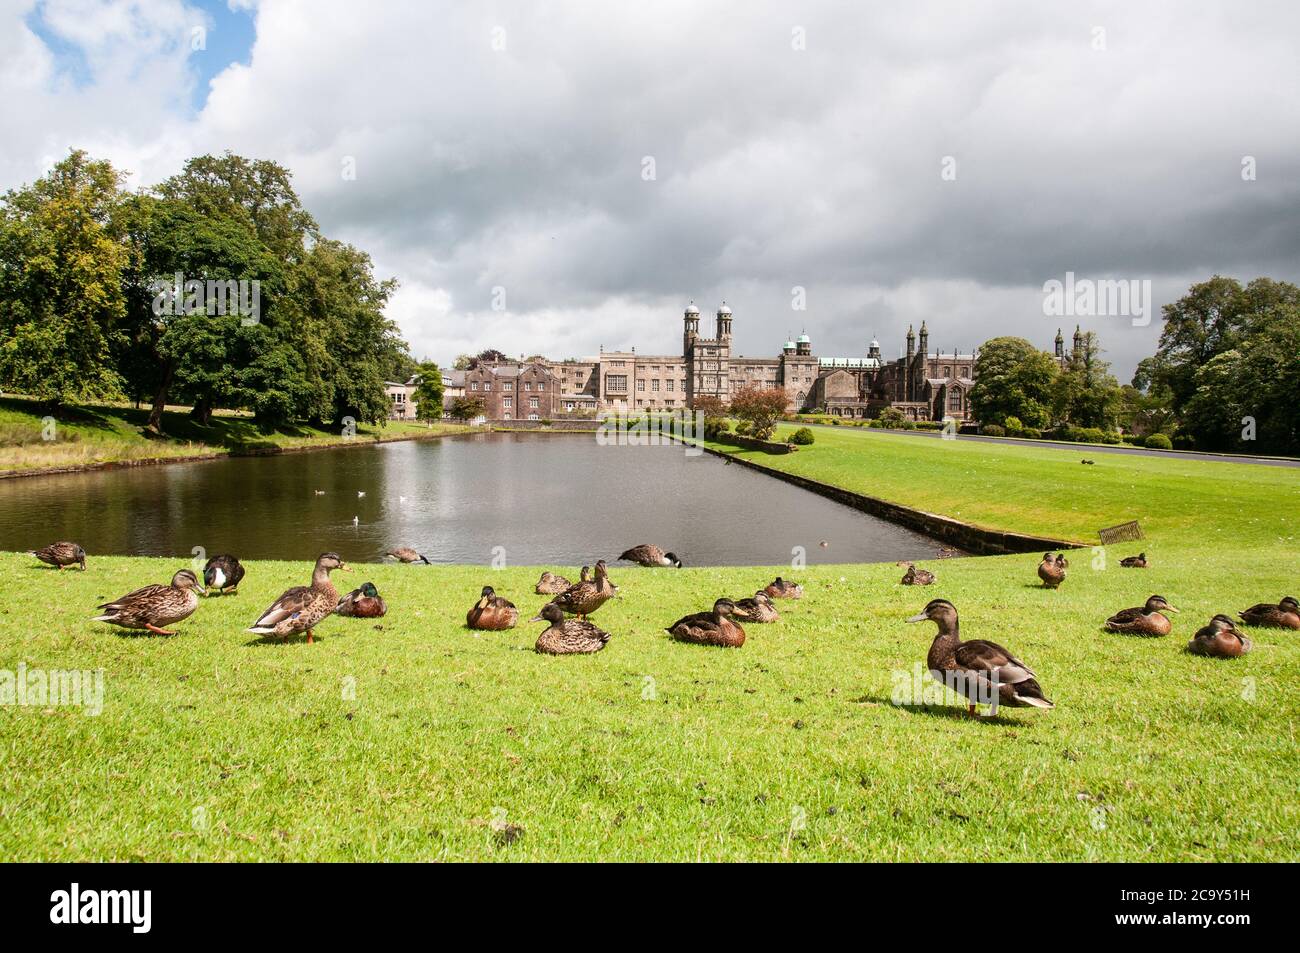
[417,740]
[93,436]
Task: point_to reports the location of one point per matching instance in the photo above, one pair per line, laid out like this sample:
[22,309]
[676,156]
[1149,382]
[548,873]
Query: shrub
[1111,436]
[1032,433]
[993,430]
[929,425]
[1013,425]
[1158,441]
[891,417]
[1184,441]
[546,423]
[803,437]
[835,421]
[908,425]
[1088,435]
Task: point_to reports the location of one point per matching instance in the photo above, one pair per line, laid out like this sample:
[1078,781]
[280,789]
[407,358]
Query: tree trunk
[160,399]
[202,412]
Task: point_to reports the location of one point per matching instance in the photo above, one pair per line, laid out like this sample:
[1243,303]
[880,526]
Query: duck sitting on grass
[301,608]
[780,588]
[757,609]
[155,607]
[1284,615]
[223,574]
[552,584]
[914,576]
[1134,562]
[984,672]
[364,602]
[492,612]
[1143,620]
[60,554]
[710,628]
[585,597]
[1219,639]
[1052,570]
[567,636]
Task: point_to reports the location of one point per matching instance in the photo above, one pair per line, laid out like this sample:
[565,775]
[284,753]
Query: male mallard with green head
[223,573]
[364,602]
[585,597]
[567,636]
[302,608]
[155,607]
[710,628]
[914,576]
[647,554]
[492,612]
[1284,615]
[757,609]
[1143,620]
[780,588]
[1052,570]
[1219,639]
[1134,562]
[977,668]
[61,554]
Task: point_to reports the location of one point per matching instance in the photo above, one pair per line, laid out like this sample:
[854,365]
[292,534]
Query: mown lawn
[214,746]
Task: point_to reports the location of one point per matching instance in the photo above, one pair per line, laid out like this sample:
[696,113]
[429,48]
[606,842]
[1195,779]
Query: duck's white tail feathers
[1036,702]
[261,629]
[106,617]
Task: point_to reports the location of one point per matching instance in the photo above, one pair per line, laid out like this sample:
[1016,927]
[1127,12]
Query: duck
[780,588]
[1284,615]
[552,584]
[757,609]
[1134,562]
[301,608]
[223,573]
[1143,620]
[585,597]
[974,668]
[364,602]
[155,607]
[1219,639]
[406,554]
[710,628]
[60,554]
[567,636]
[1052,570]
[492,612]
[648,554]
[914,576]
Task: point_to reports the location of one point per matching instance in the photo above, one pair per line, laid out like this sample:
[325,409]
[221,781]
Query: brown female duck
[647,554]
[302,608]
[1143,620]
[1284,615]
[914,576]
[584,598]
[155,607]
[1134,562]
[1219,639]
[61,554]
[710,628]
[975,668]
[364,602]
[780,588]
[492,612]
[223,573]
[757,609]
[406,554]
[1052,570]
[552,585]
[567,636]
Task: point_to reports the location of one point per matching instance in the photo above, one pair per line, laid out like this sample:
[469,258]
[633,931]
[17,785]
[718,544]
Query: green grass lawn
[114,433]
[213,746]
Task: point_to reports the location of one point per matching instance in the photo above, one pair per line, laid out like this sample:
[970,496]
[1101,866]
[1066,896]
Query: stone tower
[724,323]
[1060,345]
[690,328]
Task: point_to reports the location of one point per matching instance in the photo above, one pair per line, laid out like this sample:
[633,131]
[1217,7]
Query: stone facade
[515,391]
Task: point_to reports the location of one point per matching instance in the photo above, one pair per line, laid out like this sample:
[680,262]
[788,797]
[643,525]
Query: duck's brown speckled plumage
[223,573]
[1284,615]
[155,607]
[1052,570]
[552,584]
[62,553]
[492,612]
[1134,562]
[302,608]
[647,554]
[1219,639]
[364,602]
[916,577]
[584,598]
[1143,620]
[710,628]
[780,588]
[407,555]
[568,636]
[757,609]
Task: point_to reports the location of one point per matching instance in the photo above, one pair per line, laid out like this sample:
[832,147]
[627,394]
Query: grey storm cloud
[793,144]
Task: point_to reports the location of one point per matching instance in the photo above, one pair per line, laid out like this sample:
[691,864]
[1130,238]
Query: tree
[1013,379]
[62,257]
[1086,394]
[760,408]
[428,393]
[466,408]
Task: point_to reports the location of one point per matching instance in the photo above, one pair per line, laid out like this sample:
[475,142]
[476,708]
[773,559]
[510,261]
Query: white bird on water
[356,521]
[360,494]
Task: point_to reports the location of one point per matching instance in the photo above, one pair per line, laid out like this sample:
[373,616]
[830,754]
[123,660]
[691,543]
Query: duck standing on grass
[1052,570]
[364,602]
[1134,562]
[406,554]
[302,608]
[492,613]
[567,636]
[914,576]
[61,554]
[552,585]
[585,597]
[223,573]
[1219,639]
[1284,615]
[780,588]
[977,668]
[648,554]
[710,628]
[1143,620]
[155,607]
[757,609]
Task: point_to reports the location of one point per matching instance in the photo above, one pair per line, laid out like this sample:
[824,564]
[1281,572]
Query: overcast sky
[606,162]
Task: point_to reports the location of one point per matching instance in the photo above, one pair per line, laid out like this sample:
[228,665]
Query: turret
[690,328]
[1078,339]
[873,350]
[788,349]
[911,343]
[804,347]
[724,323]
[924,341]
[1060,344]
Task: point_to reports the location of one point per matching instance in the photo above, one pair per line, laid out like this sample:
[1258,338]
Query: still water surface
[546,499]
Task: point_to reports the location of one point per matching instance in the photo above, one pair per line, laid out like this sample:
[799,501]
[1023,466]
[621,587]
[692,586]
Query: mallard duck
[1219,639]
[648,554]
[914,576]
[1143,620]
[302,608]
[1284,615]
[364,602]
[710,628]
[780,588]
[1134,562]
[975,668]
[491,612]
[405,554]
[552,585]
[61,554]
[567,636]
[222,573]
[757,609]
[585,597]
[155,607]
[1052,570]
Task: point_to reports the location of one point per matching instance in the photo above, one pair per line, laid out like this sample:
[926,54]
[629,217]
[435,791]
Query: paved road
[1088,450]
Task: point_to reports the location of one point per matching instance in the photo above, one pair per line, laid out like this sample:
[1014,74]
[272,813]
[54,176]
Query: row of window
[507,386]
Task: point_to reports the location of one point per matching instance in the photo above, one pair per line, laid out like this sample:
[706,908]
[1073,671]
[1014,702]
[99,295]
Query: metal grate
[1120,533]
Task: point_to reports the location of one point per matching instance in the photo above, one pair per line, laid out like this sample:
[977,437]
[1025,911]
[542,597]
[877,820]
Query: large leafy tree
[1086,393]
[62,257]
[1013,379]
[428,393]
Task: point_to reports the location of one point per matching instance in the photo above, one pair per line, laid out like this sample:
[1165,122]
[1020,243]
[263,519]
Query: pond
[529,499]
